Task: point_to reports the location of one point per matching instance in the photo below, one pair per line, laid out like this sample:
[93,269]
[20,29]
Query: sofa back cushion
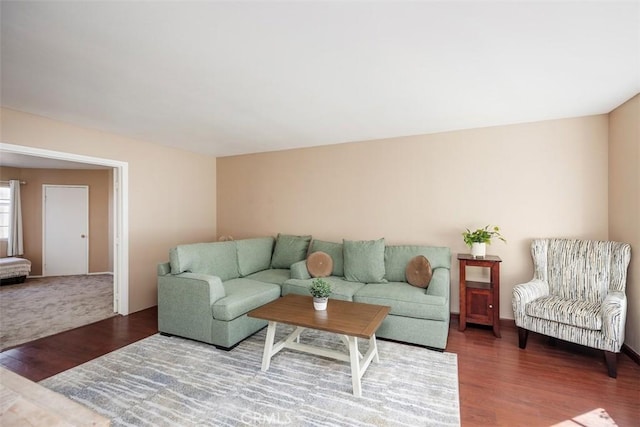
[215,259]
[254,254]
[289,249]
[396,259]
[335,252]
[364,260]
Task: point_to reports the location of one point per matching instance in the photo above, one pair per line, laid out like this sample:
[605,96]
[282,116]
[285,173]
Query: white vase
[478,249]
[320,303]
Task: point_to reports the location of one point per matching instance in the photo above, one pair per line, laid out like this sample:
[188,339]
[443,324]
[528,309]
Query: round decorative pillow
[319,264]
[419,272]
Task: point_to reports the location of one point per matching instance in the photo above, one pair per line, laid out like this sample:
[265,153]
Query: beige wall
[545,179]
[171,192]
[624,202]
[98,182]
[534,180]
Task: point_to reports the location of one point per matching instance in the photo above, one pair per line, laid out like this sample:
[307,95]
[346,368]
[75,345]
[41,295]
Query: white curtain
[14,246]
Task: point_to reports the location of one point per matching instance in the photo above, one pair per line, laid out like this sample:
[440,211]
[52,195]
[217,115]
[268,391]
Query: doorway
[65,230]
[120,223]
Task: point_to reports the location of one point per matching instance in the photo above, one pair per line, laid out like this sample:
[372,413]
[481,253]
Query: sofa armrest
[440,284]
[212,285]
[614,312]
[525,293]
[299,270]
[184,304]
[163,268]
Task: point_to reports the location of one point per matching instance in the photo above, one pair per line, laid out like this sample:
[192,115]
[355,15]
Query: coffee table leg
[268,345]
[373,342]
[345,340]
[354,357]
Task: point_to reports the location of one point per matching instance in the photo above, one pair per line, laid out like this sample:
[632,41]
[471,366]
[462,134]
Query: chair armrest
[299,270]
[614,313]
[523,294]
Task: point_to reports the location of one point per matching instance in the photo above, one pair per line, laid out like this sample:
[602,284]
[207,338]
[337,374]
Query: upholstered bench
[14,270]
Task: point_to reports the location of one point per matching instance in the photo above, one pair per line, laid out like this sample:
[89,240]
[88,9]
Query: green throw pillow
[289,249]
[364,261]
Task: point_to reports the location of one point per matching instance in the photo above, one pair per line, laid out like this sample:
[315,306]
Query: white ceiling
[237,77]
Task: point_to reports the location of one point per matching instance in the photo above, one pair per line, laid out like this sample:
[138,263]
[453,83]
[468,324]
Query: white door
[66,226]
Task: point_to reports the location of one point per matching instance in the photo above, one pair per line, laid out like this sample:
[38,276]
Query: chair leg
[523,334]
[611,359]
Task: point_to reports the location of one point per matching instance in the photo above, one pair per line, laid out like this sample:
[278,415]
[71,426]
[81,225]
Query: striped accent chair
[577,294]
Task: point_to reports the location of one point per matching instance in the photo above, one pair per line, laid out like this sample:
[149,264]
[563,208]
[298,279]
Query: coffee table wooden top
[341,317]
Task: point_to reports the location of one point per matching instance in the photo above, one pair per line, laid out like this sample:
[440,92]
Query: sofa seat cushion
[275,275]
[579,313]
[340,289]
[242,296]
[404,300]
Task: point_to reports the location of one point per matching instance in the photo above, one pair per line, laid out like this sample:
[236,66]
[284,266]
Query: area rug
[170,381]
[45,306]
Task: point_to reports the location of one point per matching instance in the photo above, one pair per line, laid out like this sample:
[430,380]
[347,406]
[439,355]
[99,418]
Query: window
[5,196]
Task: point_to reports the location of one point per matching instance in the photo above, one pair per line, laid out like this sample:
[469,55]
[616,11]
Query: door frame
[120,213]
[44,225]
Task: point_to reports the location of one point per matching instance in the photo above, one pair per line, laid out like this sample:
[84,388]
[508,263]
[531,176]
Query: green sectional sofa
[206,289]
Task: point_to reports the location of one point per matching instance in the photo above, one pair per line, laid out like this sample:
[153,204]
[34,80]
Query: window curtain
[15,244]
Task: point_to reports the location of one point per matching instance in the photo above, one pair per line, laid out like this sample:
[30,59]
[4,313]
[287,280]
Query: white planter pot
[320,304]
[478,249]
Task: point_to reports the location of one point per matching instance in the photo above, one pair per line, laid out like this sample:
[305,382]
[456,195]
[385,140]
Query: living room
[573,173]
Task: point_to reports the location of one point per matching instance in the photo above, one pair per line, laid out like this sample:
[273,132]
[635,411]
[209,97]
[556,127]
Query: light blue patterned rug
[170,381]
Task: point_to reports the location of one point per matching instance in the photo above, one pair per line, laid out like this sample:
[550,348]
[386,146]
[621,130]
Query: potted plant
[320,290]
[477,240]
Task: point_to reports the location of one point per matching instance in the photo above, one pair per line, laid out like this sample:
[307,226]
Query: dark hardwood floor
[48,356]
[500,385]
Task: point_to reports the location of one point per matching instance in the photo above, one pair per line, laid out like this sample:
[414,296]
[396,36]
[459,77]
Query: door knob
[83,236]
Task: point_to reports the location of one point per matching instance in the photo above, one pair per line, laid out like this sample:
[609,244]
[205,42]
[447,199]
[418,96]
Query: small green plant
[320,288]
[482,235]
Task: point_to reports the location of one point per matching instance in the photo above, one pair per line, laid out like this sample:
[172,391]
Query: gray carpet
[170,381]
[45,306]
